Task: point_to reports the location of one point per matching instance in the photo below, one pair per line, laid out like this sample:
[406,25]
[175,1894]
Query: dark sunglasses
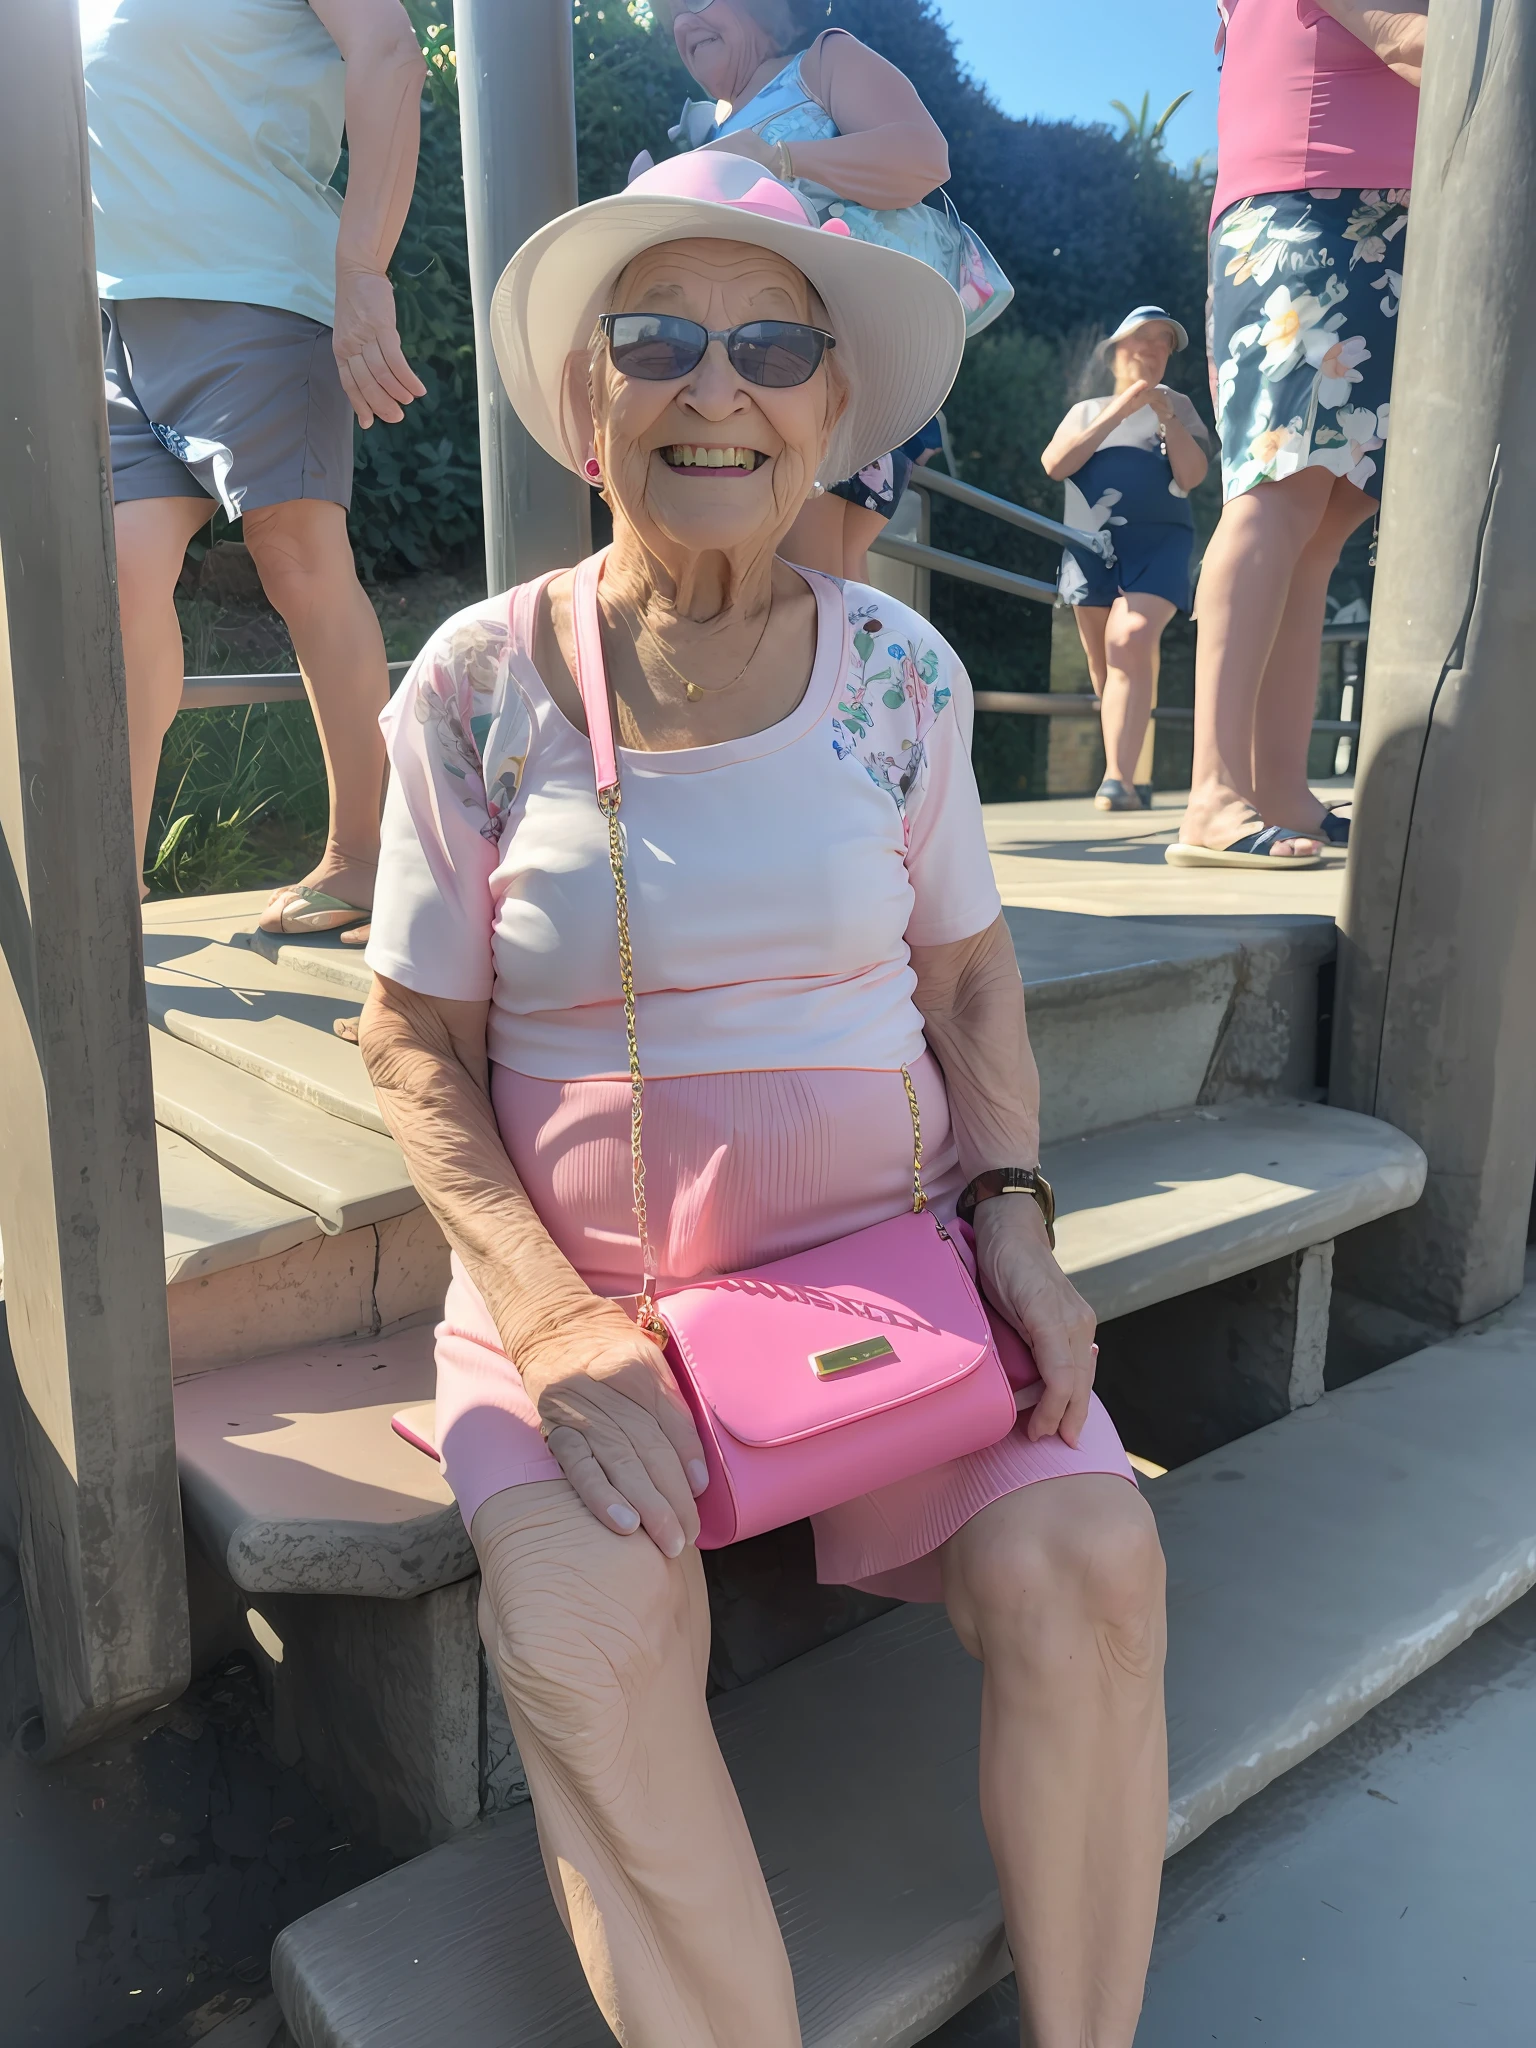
[660,348]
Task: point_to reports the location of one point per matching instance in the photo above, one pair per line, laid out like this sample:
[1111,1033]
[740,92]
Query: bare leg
[601,1646]
[1058,1589]
[304,559]
[859,529]
[815,540]
[1244,584]
[152,536]
[1131,638]
[1282,730]
[1091,620]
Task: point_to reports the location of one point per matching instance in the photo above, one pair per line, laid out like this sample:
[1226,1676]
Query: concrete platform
[1064,855]
[1315,1569]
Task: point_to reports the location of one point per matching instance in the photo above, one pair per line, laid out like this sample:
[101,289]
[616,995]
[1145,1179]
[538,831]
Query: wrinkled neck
[717,588]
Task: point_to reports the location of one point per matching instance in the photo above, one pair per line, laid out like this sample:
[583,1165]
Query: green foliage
[630,84]
[1140,127]
[416,495]
[240,800]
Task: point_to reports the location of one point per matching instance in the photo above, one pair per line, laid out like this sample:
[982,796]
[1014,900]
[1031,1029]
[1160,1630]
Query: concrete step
[1157,1209]
[345,1175]
[294,1482]
[215,1218]
[230,1002]
[1128,1016]
[1315,1568]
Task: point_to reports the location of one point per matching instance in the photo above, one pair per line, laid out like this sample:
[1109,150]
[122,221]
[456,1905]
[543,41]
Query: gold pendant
[695,694]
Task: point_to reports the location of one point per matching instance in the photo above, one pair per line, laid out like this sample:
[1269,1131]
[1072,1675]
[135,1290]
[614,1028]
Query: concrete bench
[1314,1568]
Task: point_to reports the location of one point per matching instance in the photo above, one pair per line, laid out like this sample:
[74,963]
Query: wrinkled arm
[889,151]
[385,71]
[605,1398]
[427,1061]
[1395,34]
[971,1000]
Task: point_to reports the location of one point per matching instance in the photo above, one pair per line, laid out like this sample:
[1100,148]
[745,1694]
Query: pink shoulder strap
[591,675]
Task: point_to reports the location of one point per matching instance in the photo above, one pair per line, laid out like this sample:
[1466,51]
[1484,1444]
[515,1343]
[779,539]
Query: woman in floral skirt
[1319,101]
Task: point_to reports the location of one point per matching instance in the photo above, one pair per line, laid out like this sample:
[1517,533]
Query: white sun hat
[900,326]
[1145,316]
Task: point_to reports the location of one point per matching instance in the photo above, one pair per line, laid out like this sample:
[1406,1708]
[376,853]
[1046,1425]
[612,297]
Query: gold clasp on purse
[825,1363]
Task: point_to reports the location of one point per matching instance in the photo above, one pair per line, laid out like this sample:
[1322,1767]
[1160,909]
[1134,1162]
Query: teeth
[688,456]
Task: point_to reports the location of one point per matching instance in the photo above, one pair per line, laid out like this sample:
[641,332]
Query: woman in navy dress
[1129,462]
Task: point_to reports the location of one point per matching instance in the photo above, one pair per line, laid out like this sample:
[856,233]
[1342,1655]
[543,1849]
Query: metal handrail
[278,686]
[1036,523]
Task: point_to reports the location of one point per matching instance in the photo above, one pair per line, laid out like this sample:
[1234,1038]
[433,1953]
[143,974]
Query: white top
[1138,429]
[215,126]
[775,882]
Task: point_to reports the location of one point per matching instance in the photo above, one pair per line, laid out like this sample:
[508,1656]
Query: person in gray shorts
[246,318]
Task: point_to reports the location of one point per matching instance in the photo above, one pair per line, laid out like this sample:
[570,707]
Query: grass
[240,800]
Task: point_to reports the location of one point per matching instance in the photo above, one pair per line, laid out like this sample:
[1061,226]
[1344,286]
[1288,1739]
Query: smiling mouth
[732,461]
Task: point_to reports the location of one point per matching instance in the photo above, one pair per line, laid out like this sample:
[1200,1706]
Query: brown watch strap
[1010,1180]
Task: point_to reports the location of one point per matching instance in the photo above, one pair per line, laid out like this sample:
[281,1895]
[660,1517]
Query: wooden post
[517,117]
[101,1548]
[1437,941]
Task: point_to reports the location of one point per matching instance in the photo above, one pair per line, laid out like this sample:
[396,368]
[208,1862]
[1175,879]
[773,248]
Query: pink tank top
[1304,104]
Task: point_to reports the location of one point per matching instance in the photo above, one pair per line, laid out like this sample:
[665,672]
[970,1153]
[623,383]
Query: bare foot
[346,1027]
[1221,821]
[346,880]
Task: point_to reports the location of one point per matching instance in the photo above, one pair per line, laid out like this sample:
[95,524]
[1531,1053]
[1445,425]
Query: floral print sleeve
[458,733]
[904,718]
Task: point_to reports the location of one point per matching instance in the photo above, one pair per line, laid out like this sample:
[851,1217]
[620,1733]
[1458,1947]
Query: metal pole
[101,1547]
[1437,941]
[517,115]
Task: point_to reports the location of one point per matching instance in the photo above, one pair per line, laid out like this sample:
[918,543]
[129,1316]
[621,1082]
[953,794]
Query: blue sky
[1067,59]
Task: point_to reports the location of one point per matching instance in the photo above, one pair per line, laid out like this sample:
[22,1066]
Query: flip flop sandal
[1333,828]
[321,913]
[1116,796]
[1251,851]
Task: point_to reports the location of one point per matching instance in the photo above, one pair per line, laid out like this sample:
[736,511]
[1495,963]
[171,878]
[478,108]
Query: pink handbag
[841,1369]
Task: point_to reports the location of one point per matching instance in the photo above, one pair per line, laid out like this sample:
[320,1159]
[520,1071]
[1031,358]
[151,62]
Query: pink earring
[593,470]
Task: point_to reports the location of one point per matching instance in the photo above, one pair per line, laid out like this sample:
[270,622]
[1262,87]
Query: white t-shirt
[775,882]
[1139,429]
[215,126]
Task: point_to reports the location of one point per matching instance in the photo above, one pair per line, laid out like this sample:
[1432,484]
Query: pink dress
[775,885]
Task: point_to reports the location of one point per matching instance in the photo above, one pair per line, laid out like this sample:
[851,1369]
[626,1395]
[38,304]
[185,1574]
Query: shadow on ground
[142,1881]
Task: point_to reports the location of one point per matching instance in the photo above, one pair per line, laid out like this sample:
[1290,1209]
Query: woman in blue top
[1129,462]
[826,110]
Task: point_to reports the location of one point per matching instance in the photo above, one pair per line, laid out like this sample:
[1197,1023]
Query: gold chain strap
[649,1316]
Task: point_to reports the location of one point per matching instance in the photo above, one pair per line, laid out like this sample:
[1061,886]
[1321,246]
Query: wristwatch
[1010,1180]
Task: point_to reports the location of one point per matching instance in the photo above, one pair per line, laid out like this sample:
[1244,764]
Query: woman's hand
[1160,398]
[1021,1277]
[611,1413]
[374,372]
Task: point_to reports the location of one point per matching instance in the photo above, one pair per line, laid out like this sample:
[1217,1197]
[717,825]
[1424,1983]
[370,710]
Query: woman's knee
[580,1624]
[1090,1557]
[1130,640]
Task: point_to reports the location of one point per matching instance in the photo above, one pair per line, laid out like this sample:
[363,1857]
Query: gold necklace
[693,691]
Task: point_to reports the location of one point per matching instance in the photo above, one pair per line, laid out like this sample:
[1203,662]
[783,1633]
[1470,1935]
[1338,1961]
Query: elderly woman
[825,109]
[1129,462]
[813,912]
